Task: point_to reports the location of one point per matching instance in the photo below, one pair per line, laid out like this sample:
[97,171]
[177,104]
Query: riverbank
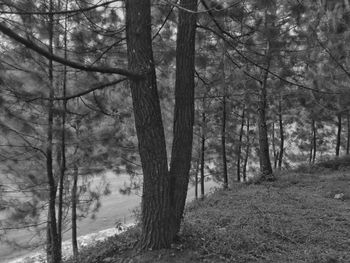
[83,241]
[303,217]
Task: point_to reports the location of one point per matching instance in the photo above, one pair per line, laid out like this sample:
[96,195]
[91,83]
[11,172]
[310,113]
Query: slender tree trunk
[337,147]
[280,120]
[223,142]
[74,212]
[181,154]
[54,255]
[203,153]
[157,215]
[245,162]
[311,141]
[63,140]
[275,154]
[348,139]
[314,140]
[196,178]
[239,150]
[223,123]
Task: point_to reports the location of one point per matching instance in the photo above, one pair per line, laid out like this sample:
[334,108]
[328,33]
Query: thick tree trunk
[264,154]
[239,150]
[348,139]
[337,147]
[156,209]
[280,120]
[54,253]
[74,212]
[203,153]
[181,156]
[223,142]
[245,162]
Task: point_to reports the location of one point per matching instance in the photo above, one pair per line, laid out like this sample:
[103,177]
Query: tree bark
[264,154]
[244,172]
[181,155]
[239,150]
[63,139]
[156,206]
[275,154]
[348,139]
[203,153]
[280,120]
[339,126]
[54,253]
[314,141]
[223,142]
[74,212]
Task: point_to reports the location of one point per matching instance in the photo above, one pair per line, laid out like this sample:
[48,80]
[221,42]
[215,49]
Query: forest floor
[303,216]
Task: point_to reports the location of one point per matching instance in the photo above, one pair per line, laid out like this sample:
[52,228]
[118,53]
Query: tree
[164,192]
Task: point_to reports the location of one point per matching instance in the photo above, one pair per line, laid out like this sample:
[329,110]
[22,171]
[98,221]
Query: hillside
[294,219]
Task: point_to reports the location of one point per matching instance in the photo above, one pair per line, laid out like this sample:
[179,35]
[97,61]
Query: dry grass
[294,219]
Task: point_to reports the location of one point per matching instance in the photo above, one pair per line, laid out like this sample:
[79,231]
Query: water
[115,208]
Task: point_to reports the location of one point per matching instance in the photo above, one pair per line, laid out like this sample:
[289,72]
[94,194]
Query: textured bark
[181,154]
[280,120]
[156,211]
[339,125]
[239,151]
[264,154]
[245,162]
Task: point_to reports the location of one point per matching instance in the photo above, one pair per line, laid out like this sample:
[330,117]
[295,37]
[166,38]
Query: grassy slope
[295,219]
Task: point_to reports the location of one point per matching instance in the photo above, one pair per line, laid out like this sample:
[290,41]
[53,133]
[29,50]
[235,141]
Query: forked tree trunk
[339,126]
[181,154]
[239,151]
[156,207]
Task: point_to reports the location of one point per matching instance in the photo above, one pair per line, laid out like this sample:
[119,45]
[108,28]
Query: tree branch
[29,44]
[99,87]
[22,12]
